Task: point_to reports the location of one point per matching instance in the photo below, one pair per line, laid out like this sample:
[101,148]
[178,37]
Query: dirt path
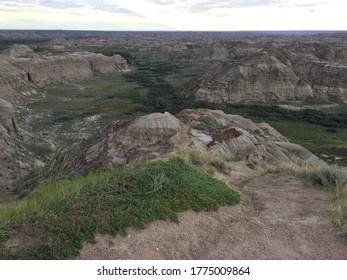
[279,218]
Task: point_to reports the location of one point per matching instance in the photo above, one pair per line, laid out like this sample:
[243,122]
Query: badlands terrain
[235,142]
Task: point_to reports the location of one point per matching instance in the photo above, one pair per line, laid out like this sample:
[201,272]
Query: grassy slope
[59,216]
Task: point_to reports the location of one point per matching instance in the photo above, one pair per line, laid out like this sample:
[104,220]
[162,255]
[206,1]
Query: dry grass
[330,177]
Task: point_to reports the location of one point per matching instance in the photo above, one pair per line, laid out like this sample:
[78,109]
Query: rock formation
[20,70]
[159,135]
[20,66]
[275,74]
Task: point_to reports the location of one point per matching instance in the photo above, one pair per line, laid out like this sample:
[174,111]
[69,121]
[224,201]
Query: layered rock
[159,135]
[21,66]
[59,44]
[20,51]
[327,81]
[66,68]
[274,74]
[238,136]
[11,78]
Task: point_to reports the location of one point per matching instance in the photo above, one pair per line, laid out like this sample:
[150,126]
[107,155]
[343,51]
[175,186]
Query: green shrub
[197,158]
[220,165]
[206,123]
[326,176]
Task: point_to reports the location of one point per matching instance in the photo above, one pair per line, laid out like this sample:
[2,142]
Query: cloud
[108,7]
[311,4]
[162,2]
[208,5]
[96,5]
[58,4]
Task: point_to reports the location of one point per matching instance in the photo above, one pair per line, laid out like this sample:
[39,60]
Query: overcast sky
[224,15]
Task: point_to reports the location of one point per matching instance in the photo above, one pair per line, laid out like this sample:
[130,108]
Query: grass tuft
[330,177]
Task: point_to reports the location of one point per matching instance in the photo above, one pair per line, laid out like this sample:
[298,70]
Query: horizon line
[158,30]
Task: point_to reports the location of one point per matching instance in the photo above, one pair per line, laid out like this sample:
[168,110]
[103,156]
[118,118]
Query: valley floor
[279,217]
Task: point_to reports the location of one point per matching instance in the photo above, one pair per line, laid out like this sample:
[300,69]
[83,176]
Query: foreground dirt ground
[279,217]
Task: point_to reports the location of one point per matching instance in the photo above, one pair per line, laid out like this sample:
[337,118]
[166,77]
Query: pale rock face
[275,74]
[10,75]
[59,44]
[341,56]
[6,116]
[265,78]
[21,66]
[161,135]
[21,51]
[219,52]
[60,69]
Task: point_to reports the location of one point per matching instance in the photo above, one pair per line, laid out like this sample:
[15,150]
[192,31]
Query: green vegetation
[76,111]
[320,140]
[205,159]
[6,43]
[206,123]
[220,165]
[196,157]
[59,216]
[164,81]
[71,112]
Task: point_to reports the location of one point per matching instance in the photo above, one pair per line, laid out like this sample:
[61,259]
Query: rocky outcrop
[238,136]
[7,121]
[327,81]
[11,78]
[59,44]
[20,51]
[159,135]
[275,74]
[20,66]
[66,68]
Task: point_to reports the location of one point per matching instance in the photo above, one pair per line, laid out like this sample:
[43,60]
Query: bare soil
[279,217]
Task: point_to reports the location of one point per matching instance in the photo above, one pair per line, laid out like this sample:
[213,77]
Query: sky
[170,15]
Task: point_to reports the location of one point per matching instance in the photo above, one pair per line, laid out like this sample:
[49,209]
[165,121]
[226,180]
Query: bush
[326,176]
[197,158]
[220,165]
